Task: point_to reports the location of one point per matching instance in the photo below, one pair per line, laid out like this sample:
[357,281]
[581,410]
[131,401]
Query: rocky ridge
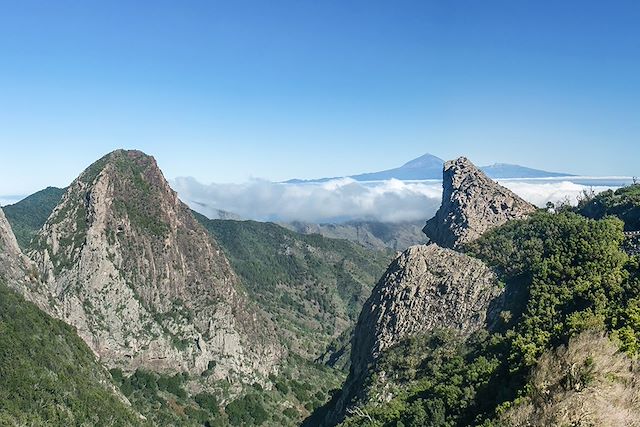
[143,282]
[471,204]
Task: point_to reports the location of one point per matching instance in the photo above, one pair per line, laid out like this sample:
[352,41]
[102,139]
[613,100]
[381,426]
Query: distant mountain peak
[428,167]
[425,161]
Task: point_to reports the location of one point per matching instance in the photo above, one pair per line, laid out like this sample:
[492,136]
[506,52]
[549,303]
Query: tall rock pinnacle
[471,204]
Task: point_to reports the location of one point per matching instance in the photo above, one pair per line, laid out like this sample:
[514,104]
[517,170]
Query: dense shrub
[208,402]
[247,410]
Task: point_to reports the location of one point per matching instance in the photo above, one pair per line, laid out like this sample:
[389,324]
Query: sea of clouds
[345,199]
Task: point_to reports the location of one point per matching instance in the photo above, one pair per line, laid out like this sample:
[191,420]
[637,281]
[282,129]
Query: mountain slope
[427,288]
[563,275]
[48,376]
[313,287]
[559,278]
[506,170]
[623,203]
[29,214]
[18,272]
[586,382]
[143,282]
[370,234]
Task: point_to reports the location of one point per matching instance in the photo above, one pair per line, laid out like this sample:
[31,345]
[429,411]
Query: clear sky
[226,91]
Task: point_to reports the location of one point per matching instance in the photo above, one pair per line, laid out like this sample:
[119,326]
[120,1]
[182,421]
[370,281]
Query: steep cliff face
[13,265]
[426,288]
[18,271]
[142,281]
[471,204]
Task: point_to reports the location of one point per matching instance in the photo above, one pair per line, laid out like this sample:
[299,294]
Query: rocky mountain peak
[472,203]
[426,288]
[143,281]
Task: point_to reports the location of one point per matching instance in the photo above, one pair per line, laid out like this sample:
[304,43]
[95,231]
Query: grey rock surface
[427,287]
[471,204]
[18,272]
[143,282]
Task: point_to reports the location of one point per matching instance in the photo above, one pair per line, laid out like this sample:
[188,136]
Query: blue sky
[226,91]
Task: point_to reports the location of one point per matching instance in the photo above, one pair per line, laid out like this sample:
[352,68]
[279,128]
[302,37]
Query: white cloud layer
[345,199]
[541,193]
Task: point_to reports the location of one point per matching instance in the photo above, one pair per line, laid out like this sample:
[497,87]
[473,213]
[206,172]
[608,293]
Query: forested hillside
[48,376]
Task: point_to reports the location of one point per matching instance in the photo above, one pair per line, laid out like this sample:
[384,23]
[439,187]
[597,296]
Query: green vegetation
[247,410]
[572,271]
[623,203]
[563,274]
[301,387]
[29,215]
[438,381]
[164,399]
[48,376]
[313,287]
[135,195]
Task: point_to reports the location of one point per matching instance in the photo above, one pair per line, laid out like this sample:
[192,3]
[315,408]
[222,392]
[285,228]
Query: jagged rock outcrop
[426,288]
[18,272]
[471,204]
[143,282]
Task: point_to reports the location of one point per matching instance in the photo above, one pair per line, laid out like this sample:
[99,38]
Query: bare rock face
[426,288]
[143,282]
[18,271]
[471,204]
[13,265]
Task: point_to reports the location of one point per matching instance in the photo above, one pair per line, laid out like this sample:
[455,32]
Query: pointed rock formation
[471,204]
[426,288]
[143,282]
